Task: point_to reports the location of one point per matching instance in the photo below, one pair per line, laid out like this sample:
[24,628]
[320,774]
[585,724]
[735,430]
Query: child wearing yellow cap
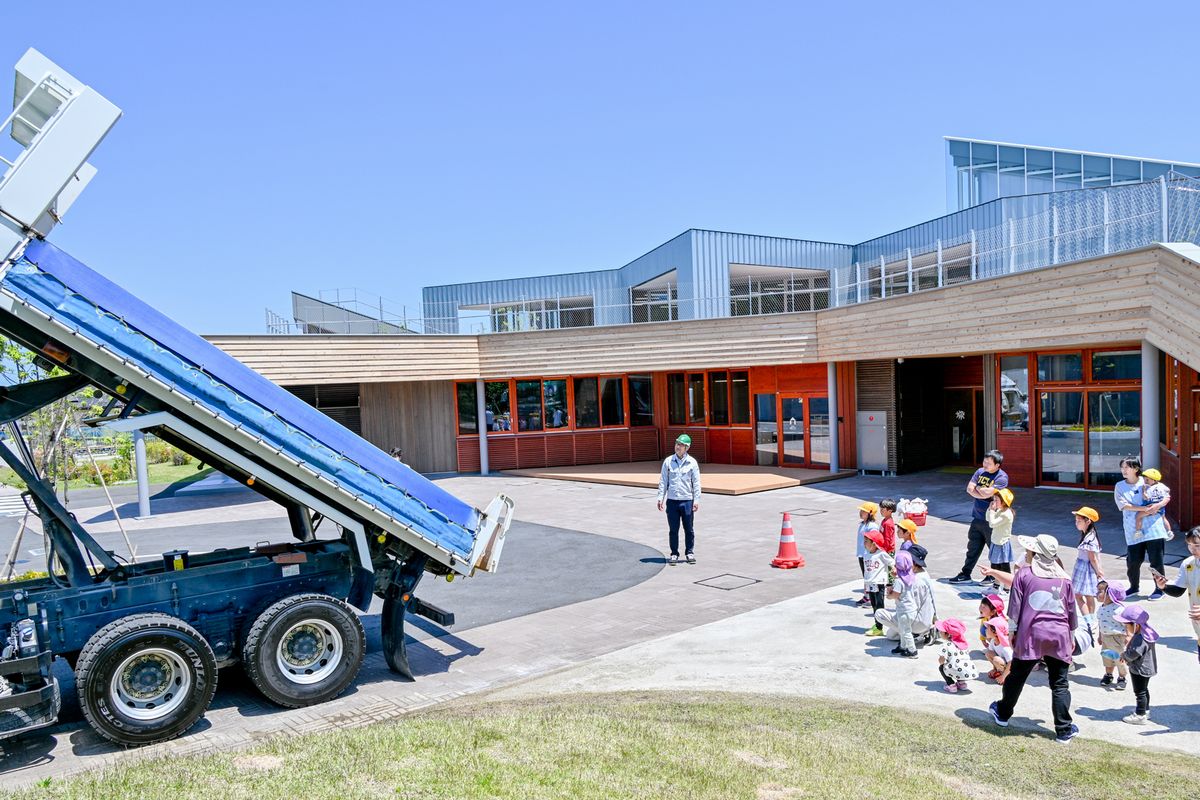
[1088,572]
[906,531]
[1000,516]
[866,522]
[1155,495]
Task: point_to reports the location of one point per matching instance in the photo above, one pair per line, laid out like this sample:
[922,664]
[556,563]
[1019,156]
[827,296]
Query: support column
[481,423]
[143,475]
[1151,400]
[831,380]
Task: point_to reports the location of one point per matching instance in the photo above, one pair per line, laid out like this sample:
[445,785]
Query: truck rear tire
[145,678]
[304,650]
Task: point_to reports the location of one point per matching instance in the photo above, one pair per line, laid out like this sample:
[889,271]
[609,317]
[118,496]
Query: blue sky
[272,146]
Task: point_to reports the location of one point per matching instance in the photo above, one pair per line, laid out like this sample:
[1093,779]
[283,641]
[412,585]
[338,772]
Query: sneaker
[673,560]
[1065,738]
[1155,595]
[691,558]
[897,650]
[952,688]
[994,708]
[962,686]
[1132,593]
[960,578]
[863,601]
[1121,683]
[908,654]
[874,631]
[1107,680]
[1137,719]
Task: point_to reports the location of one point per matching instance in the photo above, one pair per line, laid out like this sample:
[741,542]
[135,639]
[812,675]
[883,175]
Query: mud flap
[395,652]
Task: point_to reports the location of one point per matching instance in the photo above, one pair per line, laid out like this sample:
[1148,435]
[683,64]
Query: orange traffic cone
[787,558]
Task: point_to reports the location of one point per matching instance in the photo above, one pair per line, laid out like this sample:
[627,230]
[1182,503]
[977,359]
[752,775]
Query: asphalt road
[542,567]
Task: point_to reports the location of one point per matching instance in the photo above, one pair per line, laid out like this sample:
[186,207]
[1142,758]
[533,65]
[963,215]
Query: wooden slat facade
[416,417]
[1142,293]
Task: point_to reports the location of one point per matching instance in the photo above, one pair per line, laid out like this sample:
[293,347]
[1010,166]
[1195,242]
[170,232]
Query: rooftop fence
[1027,232]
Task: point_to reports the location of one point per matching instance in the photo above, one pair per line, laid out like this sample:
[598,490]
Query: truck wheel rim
[309,652]
[151,684]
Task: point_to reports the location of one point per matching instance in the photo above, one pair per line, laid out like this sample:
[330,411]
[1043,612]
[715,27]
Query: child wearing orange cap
[954,662]
[1088,572]
[866,522]
[906,530]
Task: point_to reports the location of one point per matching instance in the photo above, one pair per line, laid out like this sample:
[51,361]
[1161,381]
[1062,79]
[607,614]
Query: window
[529,405]
[468,419]
[554,399]
[718,398]
[587,403]
[1117,365]
[1169,417]
[696,399]
[1195,416]
[739,398]
[1014,393]
[641,401]
[1060,367]
[612,401]
[496,410]
[676,399]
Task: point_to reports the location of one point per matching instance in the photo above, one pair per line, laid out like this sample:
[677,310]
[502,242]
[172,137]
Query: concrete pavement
[814,646]
[737,537]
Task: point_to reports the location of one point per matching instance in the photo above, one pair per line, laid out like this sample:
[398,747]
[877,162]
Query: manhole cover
[805,512]
[728,582]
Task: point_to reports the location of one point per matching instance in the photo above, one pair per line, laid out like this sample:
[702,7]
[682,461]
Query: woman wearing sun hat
[1042,604]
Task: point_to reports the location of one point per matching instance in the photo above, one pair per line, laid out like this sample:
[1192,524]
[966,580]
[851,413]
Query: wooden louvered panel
[616,446]
[468,454]
[589,448]
[560,450]
[502,452]
[531,451]
[643,444]
[876,391]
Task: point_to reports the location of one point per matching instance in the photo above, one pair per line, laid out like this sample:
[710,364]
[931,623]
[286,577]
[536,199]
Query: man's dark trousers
[978,536]
[681,511]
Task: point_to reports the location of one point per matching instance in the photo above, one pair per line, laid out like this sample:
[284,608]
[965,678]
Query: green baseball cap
[684,440]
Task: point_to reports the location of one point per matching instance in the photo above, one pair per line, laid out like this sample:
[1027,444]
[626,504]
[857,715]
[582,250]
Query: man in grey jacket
[679,496]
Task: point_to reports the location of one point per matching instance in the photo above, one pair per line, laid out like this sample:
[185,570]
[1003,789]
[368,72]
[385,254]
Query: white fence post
[973,251]
[1012,245]
[941,280]
[882,278]
[908,253]
[1166,230]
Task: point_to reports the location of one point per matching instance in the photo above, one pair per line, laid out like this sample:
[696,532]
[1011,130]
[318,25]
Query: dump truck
[146,638]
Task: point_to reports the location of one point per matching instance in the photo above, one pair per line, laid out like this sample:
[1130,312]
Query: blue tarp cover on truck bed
[81,299]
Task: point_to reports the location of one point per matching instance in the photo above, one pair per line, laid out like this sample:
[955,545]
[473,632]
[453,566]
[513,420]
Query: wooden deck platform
[730,479]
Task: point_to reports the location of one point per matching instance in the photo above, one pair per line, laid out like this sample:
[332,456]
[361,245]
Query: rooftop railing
[1034,231]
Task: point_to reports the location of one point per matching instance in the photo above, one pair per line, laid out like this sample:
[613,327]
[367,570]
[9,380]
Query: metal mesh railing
[1036,231]
[1055,228]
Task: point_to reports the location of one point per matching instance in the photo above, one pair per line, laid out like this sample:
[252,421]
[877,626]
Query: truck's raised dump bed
[81,309]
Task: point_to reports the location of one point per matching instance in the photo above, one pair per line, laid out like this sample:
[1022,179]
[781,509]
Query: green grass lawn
[693,746]
[159,474]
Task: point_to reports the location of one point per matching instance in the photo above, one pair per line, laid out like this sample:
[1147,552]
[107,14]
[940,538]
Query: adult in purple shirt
[1042,604]
[983,484]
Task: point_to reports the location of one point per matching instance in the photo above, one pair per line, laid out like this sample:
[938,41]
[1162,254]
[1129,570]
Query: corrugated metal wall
[876,391]
[714,251]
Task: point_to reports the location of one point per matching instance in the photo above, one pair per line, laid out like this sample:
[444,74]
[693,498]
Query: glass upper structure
[980,171]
